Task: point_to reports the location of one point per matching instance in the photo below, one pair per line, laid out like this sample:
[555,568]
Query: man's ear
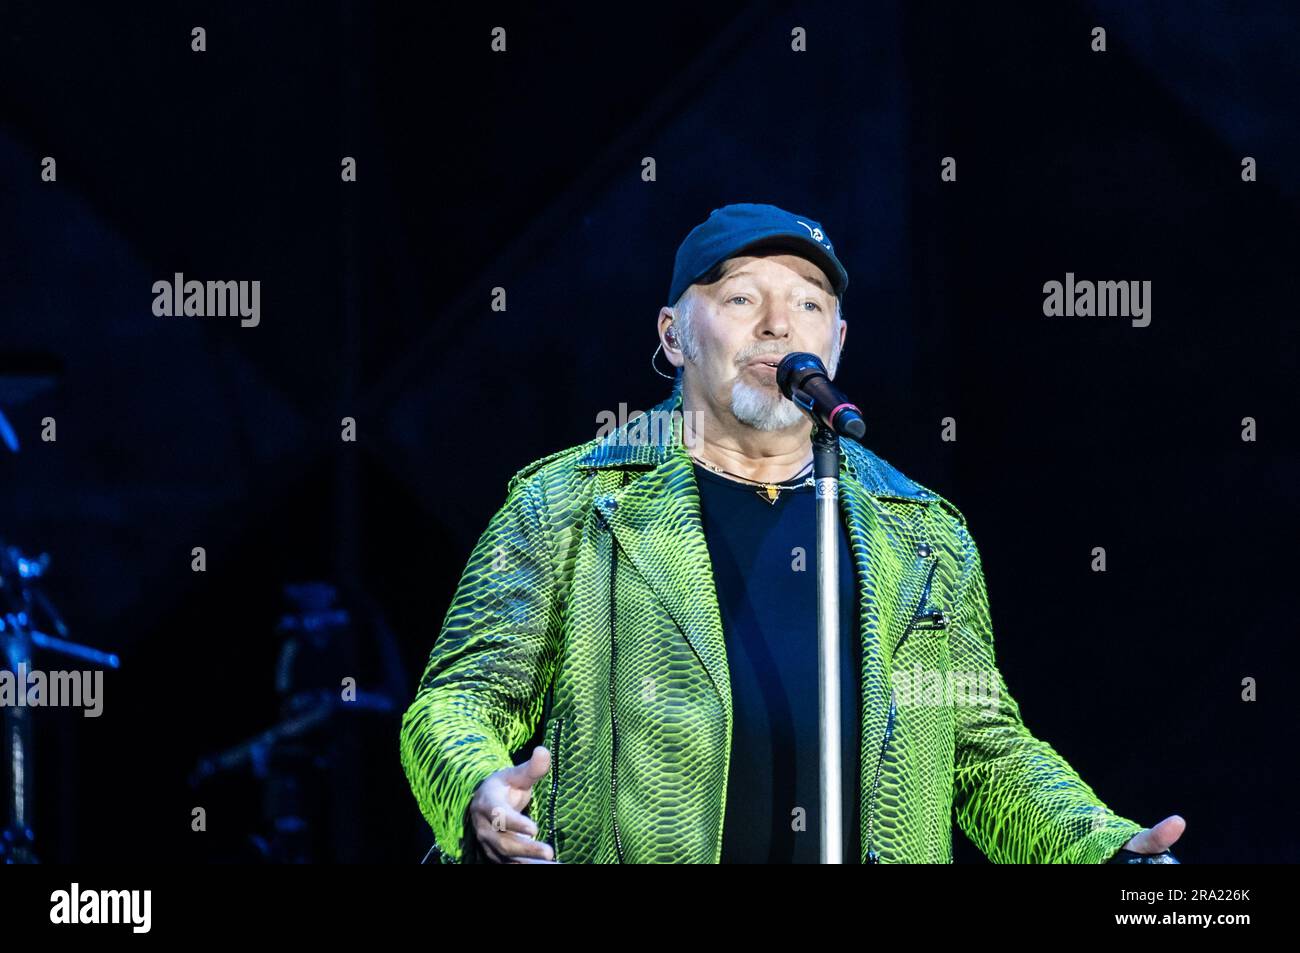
[670,339]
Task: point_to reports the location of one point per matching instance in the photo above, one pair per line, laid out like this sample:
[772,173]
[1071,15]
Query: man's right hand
[506,835]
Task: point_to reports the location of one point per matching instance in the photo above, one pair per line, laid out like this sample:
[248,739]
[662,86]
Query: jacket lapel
[656,522]
[891,574]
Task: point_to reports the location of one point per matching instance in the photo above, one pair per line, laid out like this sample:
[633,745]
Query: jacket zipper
[873,856]
[555,783]
[613,718]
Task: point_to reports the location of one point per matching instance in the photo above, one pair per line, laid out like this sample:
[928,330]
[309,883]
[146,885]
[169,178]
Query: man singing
[648,599]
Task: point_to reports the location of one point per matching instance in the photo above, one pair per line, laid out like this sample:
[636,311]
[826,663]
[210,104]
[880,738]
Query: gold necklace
[770,492]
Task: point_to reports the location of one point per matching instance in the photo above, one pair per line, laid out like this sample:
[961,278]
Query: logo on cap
[816,233]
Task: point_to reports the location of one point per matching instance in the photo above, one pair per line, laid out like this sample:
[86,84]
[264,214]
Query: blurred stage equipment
[24,606]
[314,738]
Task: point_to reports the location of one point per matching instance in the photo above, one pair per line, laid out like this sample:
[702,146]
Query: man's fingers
[1158,838]
[517,848]
[1163,835]
[506,845]
[501,829]
[524,776]
[502,817]
[490,852]
[494,828]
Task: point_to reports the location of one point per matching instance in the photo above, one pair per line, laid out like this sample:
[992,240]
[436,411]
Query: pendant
[769,493]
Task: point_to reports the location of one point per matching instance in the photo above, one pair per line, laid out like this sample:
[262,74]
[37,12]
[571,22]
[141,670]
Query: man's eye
[738,298]
[814,304]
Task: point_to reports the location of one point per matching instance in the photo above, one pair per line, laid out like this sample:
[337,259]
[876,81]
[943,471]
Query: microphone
[803,379]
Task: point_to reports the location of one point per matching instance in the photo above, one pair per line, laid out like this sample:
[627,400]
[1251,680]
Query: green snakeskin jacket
[588,608]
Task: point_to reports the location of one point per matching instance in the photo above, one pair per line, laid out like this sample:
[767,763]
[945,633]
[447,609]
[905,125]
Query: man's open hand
[1155,840]
[506,835]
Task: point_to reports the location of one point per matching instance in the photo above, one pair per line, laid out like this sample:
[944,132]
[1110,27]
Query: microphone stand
[826,472]
[804,380]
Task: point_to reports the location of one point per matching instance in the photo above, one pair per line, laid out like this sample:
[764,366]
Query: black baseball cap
[746,226]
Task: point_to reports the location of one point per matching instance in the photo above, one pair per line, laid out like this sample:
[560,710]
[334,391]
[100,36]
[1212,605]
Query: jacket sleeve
[482,691]
[1015,797]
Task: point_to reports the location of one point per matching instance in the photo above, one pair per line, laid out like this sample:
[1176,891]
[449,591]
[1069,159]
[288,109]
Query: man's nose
[775,321]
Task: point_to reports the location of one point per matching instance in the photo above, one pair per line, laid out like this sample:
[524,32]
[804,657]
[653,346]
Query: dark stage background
[523,170]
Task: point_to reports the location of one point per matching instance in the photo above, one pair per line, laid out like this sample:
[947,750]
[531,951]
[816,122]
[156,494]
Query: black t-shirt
[768,606]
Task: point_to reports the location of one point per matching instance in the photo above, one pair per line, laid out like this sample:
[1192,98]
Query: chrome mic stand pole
[826,472]
[804,380]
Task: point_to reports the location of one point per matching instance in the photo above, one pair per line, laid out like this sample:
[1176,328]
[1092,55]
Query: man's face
[764,307]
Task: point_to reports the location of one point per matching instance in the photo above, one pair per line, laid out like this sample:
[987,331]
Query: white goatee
[766,408]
